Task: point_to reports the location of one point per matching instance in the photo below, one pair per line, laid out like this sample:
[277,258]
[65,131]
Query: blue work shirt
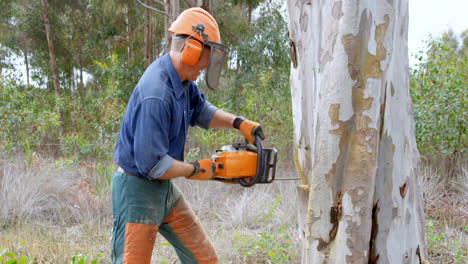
[155,123]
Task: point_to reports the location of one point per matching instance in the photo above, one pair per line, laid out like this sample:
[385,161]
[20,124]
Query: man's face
[202,64]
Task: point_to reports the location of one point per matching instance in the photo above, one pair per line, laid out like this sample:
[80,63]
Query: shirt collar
[175,79]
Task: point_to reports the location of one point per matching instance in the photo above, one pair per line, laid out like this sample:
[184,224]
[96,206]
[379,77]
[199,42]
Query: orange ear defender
[191,52]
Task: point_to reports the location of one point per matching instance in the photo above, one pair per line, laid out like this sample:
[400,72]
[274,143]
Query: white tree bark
[354,132]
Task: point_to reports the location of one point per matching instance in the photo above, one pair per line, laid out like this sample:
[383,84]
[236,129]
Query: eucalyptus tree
[7,38]
[440,95]
[170,9]
[50,44]
[12,35]
[248,6]
[76,33]
[354,132]
[45,24]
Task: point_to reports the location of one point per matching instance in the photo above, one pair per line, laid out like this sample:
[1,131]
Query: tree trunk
[128,32]
[154,30]
[50,43]
[175,10]
[147,36]
[167,24]
[26,63]
[80,62]
[354,132]
[189,3]
[250,12]
[207,6]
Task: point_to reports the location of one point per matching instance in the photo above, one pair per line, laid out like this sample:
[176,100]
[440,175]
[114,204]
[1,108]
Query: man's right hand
[202,170]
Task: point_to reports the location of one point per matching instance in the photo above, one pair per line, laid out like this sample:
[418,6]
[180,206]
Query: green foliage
[28,116]
[92,36]
[440,100]
[272,243]
[74,146]
[437,242]
[82,259]
[192,155]
[114,72]
[256,81]
[8,257]
[103,179]
[79,129]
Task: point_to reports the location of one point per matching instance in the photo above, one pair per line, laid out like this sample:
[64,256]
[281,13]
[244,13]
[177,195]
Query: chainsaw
[244,163]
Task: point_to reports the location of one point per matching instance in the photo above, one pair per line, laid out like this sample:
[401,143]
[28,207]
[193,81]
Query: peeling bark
[354,145]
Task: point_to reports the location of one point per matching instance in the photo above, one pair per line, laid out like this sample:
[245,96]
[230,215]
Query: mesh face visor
[217,58]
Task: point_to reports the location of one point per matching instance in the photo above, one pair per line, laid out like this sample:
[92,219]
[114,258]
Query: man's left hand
[202,170]
[249,129]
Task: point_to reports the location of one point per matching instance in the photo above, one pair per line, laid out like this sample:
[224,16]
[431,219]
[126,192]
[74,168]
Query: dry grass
[59,210]
[51,210]
[56,212]
[446,208]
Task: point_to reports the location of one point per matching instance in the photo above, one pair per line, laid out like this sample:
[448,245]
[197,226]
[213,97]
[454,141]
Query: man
[150,145]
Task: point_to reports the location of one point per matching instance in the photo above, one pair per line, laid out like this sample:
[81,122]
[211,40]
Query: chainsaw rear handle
[259,173]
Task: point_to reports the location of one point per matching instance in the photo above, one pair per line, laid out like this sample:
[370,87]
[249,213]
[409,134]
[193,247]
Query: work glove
[248,128]
[203,170]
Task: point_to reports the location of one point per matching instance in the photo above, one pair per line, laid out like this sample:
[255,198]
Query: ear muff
[191,52]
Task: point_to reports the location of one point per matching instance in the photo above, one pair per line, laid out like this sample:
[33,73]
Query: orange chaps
[135,230]
[139,238]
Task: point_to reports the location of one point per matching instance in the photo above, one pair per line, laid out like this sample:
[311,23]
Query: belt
[120,170]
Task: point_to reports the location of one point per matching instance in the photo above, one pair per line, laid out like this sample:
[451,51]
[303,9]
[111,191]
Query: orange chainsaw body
[242,163]
[233,165]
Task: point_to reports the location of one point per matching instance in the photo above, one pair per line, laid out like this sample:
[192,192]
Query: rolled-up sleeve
[151,141]
[202,109]
[206,114]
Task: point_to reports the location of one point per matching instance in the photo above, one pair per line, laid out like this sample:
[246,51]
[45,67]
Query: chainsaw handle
[259,173]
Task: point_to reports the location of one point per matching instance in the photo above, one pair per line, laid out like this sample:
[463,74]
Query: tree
[354,133]
[171,12]
[53,65]
[12,34]
[251,5]
[7,38]
[440,95]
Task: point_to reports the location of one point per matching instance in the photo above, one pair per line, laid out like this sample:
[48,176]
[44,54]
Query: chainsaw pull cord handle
[259,173]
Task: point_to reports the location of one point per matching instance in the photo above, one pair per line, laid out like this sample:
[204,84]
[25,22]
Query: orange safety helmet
[187,21]
[201,29]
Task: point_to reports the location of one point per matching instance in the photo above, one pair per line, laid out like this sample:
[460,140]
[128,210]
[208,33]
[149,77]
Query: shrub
[440,98]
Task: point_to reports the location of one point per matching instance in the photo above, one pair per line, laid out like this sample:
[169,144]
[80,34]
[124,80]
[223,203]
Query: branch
[152,8]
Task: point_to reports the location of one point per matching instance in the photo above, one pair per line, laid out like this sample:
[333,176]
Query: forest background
[57,137]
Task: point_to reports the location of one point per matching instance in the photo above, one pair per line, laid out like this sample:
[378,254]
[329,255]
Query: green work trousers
[142,208]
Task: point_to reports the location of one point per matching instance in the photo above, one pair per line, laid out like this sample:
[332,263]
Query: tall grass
[446,208]
[60,208]
[57,210]
[44,191]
